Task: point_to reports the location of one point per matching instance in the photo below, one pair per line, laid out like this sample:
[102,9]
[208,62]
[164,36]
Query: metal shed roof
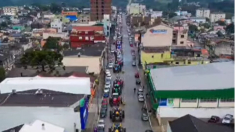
[200,77]
[62,84]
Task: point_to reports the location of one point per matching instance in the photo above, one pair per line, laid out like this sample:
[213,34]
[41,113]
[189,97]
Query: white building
[214,17]
[198,19]
[194,90]
[62,35]
[136,8]
[202,12]
[53,100]
[58,24]
[10,10]
[156,14]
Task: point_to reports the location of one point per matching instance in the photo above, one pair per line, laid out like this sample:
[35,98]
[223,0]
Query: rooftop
[34,98]
[86,50]
[196,77]
[67,85]
[88,28]
[189,123]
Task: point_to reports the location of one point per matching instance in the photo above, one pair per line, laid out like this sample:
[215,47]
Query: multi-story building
[84,35]
[203,12]
[57,24]
[180,35]
[193,90]
[136,8]
[10,10]
[216,16]
[99,8]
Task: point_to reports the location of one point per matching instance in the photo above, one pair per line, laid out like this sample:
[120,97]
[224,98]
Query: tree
[2,74]
[55,8]
[172,14]
[45,60]
[66,46]
[206,25]
[52,44]
[4,24]
[230,28]
[193,28]
[221,23]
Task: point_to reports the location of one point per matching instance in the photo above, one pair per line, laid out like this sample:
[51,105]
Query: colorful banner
[84,104]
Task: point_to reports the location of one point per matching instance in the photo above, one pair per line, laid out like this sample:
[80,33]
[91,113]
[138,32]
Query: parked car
[144,115]
[110,65]
[141,98]
[138,82]
[133,63]
[227,119]
[214,119]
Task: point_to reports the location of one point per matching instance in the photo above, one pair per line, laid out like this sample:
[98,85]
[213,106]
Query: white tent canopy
[79,85]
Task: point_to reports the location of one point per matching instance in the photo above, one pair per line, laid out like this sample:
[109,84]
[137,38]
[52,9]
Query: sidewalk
[93,109]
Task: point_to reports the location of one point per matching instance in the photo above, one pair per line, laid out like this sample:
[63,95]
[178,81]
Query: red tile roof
[88,28]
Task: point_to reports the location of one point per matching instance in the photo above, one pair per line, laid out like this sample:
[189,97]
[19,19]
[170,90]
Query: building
[62,35]
[69,13]
[83,35]
[198,19]
[60,101]
[203,12]
[107,25]
[193,90]
[189,123]
[10,10]
[217,16]
[99,8]
[57,24]
[84,18]
[180,35]
[136,8]
[37,125]
[90,56]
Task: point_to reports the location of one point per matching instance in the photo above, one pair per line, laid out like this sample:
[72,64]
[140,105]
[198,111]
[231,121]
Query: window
[177,63]
[80,38]
[189,62]
[86,32]
[208,100]
[182,36]
[91,38]
[86,38]
[226,100]
[188,100]
[161,55]
[182,42]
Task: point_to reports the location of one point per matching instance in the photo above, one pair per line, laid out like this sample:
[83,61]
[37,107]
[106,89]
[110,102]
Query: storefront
[84,105]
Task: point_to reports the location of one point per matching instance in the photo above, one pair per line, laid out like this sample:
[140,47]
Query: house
[18,27]
[198,19]
[48,15]
[180,35]
[57,24]
[216,16]
[61,35]
[90,56]
[193,90]
[52,100]
[10,10]
[189,123]
[203,12]
[36,125]
[107,25]
[83,35]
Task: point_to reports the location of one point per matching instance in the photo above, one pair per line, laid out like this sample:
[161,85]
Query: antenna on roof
[39,92]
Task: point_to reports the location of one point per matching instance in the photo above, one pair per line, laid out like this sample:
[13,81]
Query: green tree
[221,23]
[230,28]
[52,44]
[4,24]
[172,14]
[66,46]
[193,28]
[2,74]
[44,60]
[55,8]
[206,25]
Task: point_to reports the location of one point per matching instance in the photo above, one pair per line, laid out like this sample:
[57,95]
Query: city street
[132,121]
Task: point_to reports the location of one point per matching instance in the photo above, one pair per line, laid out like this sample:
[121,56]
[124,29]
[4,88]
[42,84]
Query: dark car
[148,130]
[133,63]
[214,119]
[103,112]
[138,82]
[144,116]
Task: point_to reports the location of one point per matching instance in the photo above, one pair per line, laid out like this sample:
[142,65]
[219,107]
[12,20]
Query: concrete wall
[158,40]
[93,63]
[63,117]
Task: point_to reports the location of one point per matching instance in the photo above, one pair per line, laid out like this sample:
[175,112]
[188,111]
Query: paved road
[132,121]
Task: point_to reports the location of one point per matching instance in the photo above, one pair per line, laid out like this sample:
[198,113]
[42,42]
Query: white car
[141,98]
[110,65]
[107,85]
[107,72]
[227,119]
[108,77]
